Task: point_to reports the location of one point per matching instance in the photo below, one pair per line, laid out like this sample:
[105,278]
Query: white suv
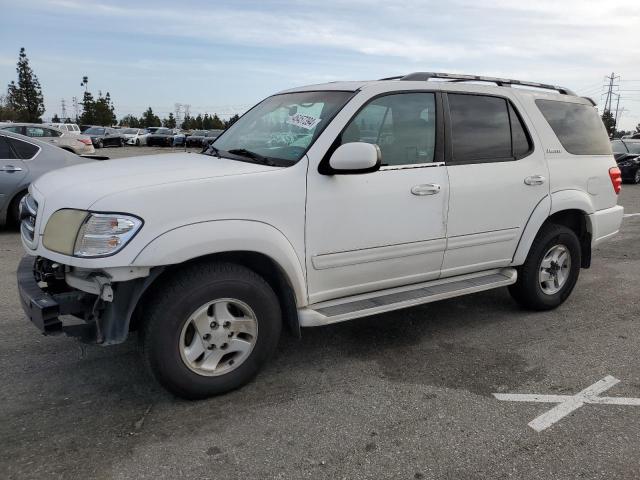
[321,204]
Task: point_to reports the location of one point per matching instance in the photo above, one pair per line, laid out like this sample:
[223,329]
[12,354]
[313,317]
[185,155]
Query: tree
[130,121]
[187,122]
[149,119]
[637,128]
[6,112]
[216,123]
[609,122]
[88,116]
[104,110]
[231,121]
[197,124]
[55,119]
[25,97]
[169,122]
[207,121]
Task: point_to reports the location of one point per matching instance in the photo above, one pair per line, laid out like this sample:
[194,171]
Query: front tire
[209,329]
[636,178]
[551,269]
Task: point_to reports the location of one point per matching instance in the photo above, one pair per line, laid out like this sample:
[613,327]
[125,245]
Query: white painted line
[627,215]
[568,403]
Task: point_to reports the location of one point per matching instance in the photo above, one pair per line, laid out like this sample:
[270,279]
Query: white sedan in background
[134,136]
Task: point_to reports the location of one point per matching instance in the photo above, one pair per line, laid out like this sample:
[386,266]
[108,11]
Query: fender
[199,239]
[556,202]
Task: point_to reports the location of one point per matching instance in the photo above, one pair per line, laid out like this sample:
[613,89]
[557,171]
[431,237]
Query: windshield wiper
[256,157]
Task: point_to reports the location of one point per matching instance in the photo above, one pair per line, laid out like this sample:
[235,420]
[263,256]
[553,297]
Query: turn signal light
[616,179]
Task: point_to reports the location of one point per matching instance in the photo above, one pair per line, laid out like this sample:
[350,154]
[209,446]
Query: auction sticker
[303,121]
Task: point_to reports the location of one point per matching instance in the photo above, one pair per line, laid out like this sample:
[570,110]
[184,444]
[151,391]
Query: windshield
[633,147]
[132,131]
[163,131]
[94,131]
[283,127]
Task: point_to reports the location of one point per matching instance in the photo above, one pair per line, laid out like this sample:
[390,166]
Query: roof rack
[501,82]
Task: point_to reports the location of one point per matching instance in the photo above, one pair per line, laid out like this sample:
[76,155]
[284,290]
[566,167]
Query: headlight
[86,234]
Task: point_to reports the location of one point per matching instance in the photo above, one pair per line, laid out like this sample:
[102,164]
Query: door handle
[10,168]
[534,180]
[426,189]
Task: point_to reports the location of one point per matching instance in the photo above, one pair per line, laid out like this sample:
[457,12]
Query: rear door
[12,171]
[497,175]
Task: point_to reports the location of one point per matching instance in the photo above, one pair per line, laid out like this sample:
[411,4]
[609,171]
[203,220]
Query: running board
[333,311]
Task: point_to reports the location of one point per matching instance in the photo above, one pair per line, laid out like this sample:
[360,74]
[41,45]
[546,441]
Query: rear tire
[100,144]
[636,178]
[551,270]
[209,329]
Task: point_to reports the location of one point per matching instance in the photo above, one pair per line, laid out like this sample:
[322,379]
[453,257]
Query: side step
[333,311]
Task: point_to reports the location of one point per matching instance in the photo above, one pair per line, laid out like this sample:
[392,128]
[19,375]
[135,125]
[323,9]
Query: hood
[82,185]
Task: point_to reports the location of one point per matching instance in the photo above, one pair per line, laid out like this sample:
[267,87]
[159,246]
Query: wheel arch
[570,208]
[255,245]
[260,263]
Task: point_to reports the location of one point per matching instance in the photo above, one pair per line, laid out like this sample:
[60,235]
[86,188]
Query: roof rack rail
[501,82]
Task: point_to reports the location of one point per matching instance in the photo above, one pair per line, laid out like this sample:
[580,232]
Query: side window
[403,125]
[5,151]
[14,129]
[25,150]
[578,127]
[36,132]
[618,147]
[521,142]
[480,128]
[53,133]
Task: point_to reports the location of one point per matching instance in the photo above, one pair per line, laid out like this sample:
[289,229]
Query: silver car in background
[134,136]
[22,160]
[78,144]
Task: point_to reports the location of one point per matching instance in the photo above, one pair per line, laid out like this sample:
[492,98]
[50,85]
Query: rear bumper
[605,224]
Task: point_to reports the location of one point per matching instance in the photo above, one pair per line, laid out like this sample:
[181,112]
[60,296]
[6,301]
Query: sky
[224,56]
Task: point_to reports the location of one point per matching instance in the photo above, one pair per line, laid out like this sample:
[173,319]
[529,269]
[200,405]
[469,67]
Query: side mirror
[355,157]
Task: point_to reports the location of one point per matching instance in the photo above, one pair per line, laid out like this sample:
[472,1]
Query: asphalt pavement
[404,395]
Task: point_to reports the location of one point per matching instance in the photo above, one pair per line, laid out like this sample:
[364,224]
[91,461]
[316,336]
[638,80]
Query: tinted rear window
[5,152]
[577,126]
[25,150]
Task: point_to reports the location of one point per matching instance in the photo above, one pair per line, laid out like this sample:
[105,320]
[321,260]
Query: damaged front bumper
[55,307]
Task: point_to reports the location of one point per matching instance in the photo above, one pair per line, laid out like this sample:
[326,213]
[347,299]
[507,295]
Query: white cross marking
[568,403]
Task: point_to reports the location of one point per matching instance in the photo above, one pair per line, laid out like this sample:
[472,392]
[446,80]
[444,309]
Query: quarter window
[485,129]
[577,126]
[5,151]
[25,150]
[403,126]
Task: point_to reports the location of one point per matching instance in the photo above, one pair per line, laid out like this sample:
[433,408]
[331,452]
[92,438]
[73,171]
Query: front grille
[28,213]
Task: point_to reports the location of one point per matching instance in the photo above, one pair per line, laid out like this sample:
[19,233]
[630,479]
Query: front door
[497,173]
[373,231]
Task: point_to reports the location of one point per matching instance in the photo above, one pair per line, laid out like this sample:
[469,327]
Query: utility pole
[608,103]
[615,125]
[63,108]
[76,109]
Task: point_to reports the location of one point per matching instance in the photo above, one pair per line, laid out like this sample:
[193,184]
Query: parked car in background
[180,138]
[627,154]
[210,137]
[134,136]
[67,127]
[75,143]
[162,137]
[196,137]
[105,137]
[22,160]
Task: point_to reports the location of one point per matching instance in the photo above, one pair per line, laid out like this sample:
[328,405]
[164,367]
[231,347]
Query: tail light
[616,179]
[86,141]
